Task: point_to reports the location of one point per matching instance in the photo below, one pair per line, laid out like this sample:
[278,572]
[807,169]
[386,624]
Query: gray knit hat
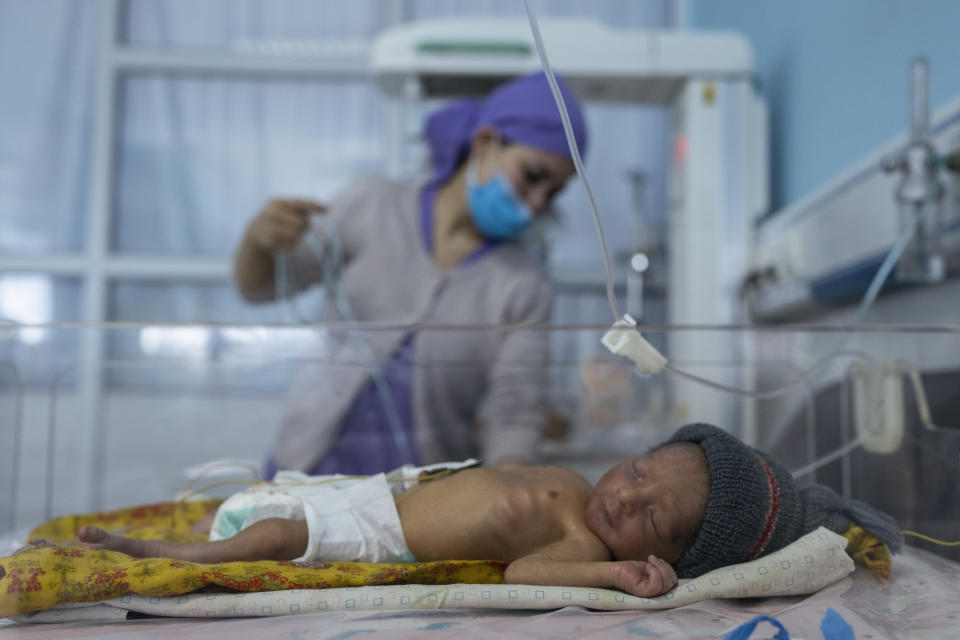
[755,507]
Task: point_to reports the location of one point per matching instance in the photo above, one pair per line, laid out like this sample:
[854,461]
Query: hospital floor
[921,601]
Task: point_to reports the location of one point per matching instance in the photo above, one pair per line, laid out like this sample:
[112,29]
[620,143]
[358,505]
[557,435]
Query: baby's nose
[633,499]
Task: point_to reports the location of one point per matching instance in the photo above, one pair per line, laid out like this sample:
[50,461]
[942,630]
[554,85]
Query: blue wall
[835,73]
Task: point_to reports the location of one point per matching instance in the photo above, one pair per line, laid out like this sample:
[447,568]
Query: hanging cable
[575,155]
[879,279]
[329,256]
[802,380]
[942,543]
[872,291]
[919,394]
[920,213]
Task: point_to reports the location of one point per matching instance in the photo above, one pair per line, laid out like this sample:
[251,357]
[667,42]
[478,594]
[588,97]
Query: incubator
[180,412]
[186,412]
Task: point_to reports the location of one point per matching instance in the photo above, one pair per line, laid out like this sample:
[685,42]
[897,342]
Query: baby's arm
[550,567]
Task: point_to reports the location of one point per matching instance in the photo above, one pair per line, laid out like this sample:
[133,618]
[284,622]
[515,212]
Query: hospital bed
[871,411]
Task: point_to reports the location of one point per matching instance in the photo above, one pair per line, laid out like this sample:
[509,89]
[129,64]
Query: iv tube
[879,278]
[575,154]
[871,294]
[873,290]
[331,262]
[868,299]
[899,246]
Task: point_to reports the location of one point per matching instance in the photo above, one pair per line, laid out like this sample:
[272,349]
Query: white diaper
[349,518]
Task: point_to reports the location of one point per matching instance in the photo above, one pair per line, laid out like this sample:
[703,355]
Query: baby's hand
[644,579]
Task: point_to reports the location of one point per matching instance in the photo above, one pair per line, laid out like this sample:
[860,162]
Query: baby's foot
[97,538]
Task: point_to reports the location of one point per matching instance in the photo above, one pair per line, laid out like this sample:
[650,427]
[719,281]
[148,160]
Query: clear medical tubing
[899,246]
[868,299]
[575,154]
[331,261]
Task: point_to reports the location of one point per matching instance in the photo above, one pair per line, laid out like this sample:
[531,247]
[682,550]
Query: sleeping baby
[699,501]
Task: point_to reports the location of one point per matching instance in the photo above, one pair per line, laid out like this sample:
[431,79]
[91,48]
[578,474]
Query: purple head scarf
[522,110]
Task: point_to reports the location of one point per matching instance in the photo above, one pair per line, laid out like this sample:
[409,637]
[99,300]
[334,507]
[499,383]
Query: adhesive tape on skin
[623,339]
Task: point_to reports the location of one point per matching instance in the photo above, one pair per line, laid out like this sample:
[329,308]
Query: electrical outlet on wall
[878,406]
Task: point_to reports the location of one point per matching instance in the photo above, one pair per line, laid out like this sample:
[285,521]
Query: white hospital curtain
[198,156]
[248,24]
[617,13]
[47,71]
[47,65]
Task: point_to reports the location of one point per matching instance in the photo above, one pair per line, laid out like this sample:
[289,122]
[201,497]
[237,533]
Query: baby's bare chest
[536,513]
[490,514]
[528,504]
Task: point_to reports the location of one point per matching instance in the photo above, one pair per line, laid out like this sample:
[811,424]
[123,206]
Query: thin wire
[331,262]
[872,291]
[374,325]
[185,495]
[842,451]
[830,457]
[283,275]
[811,414]
[332,268]
[879,279]
[802,380]
[208,468]
[919,395]
[955,543]
[575,154]
[422,477]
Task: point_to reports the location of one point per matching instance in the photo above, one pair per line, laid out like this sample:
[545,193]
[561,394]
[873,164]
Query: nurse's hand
[281,223]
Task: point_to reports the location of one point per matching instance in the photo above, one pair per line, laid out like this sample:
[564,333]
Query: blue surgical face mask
[498,213]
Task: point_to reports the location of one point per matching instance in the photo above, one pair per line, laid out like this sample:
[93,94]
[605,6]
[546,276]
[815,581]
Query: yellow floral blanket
[54,567]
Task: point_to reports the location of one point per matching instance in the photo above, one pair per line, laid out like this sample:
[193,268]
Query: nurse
[440,251]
